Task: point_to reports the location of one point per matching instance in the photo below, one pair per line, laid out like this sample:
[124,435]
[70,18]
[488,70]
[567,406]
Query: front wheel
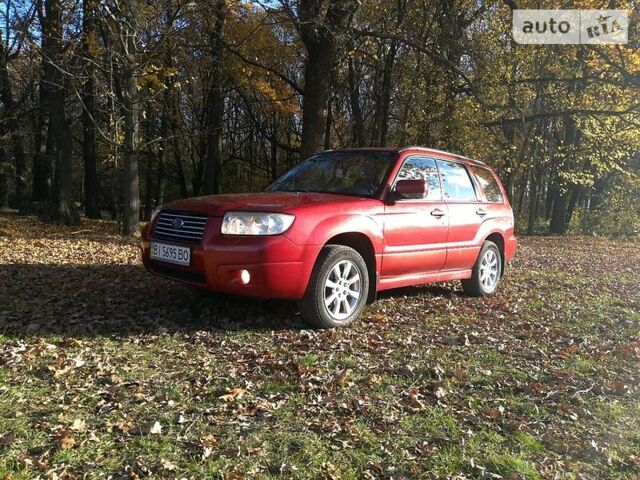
[486,272]
[338,288]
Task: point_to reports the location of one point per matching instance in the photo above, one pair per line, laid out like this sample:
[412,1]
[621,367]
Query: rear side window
[456,182]
[421,168]
[489,185]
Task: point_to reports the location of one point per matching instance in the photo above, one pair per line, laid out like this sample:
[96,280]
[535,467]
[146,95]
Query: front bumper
[278,267]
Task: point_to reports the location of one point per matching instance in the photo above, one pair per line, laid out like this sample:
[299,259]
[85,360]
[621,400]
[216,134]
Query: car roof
[415,149]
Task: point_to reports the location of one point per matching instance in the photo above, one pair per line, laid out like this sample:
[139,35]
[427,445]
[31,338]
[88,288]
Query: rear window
[489,185]
[456,182]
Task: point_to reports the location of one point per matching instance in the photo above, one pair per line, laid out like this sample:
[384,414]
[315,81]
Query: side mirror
[413,189]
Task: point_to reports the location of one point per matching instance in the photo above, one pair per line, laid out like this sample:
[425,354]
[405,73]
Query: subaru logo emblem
[177,223]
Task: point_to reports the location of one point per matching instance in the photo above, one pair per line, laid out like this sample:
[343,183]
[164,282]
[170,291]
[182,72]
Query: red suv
[339,227]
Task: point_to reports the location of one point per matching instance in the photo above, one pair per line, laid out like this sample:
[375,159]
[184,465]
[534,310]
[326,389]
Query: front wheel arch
[362,244]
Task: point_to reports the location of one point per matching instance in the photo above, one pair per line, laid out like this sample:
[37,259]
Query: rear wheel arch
[498,239]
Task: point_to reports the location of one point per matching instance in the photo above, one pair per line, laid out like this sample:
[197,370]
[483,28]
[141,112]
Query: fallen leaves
[63,438]
[155,429]
[7,439]
[233,394]
[78,425]
[98,356]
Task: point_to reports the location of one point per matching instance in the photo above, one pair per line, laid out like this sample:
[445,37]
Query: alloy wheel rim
[342,290]
[489,271]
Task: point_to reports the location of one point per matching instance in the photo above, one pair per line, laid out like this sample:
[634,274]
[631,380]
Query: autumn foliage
[115,107]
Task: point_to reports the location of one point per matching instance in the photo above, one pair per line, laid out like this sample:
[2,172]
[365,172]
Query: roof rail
[435,150]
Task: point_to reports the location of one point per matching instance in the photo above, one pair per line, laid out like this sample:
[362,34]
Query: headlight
[256,223]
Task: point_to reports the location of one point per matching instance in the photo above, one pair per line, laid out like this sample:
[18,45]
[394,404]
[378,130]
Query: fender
[318,234]
[502,225]
[489,226]
[330,227]
[315,226]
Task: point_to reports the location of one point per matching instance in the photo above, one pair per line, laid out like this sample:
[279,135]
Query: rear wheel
[338,288]
[486,272]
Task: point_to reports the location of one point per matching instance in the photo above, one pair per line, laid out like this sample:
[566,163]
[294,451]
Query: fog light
[245,277]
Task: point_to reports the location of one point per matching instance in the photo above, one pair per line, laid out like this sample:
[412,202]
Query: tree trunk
[327,126]
[149,156]
[131,177]
[574,197]
[4,174]
[161,178]
[559,214]
[148,186]
[534,202]
[558,223]
[450,41]
[63,212]
[12,128]
[384,98]
[41,166]
[215,104]
[43,141]
[322,38]
[317,85]
[91,184]
[131,112]
[358,128]
[274,149]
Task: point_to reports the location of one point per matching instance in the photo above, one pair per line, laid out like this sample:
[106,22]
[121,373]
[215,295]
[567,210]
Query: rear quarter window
[456,182]
[489,185]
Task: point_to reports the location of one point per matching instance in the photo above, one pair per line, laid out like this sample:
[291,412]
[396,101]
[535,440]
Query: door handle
[437,213]
[481,211]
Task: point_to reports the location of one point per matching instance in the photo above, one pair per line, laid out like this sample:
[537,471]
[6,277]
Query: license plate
[170,253]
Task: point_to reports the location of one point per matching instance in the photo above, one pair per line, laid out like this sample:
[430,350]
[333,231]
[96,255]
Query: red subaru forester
[339,227]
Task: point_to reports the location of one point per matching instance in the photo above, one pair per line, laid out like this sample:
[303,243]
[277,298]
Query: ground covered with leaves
[107,371]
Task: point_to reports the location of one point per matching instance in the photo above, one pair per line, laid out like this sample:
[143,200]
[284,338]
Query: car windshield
[345,173]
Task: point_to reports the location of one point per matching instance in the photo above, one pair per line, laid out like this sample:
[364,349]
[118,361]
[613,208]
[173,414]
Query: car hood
[218,205]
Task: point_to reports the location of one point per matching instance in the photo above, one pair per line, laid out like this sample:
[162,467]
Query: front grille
[185,227]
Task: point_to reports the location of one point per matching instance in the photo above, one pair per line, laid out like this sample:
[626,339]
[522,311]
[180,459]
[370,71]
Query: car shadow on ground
[122,300]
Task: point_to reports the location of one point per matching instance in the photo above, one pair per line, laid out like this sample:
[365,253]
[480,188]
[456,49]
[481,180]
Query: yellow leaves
[155,78]
[124,427]
[64,440]
[233,394]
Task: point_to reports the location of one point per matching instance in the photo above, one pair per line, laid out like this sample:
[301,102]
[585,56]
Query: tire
[329,282]
[489,262]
